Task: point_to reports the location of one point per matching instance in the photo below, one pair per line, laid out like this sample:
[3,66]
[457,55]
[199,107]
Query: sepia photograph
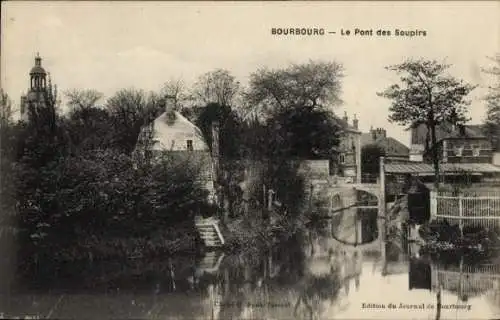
[221,160]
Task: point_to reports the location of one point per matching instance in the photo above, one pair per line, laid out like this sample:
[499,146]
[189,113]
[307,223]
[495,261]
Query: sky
[108,46]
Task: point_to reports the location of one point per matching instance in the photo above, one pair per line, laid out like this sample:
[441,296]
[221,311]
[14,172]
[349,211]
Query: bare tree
[217,86]
[6,110]
[131,109]
[175,89]
[83,99]
[311,85]
[128,105]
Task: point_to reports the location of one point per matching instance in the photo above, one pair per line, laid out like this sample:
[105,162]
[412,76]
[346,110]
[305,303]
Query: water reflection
[305,277]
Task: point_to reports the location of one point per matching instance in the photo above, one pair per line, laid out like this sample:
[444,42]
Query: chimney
[381,133]
[170,103]
[461,129]
[170,109]
[378,133]
[355,122]
[345,118]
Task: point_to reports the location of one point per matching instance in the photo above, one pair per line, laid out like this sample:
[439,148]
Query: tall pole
[358,158]
[438,307]
[381,206]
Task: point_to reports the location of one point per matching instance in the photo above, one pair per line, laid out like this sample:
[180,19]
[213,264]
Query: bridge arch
[366,198]
[370,188]
[374,245]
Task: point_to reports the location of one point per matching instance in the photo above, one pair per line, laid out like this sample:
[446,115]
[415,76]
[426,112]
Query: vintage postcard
[250,160]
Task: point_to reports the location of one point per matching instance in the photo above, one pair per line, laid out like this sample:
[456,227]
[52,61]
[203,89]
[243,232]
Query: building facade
[173,135]
[456,144]
[348,162]
[40,94]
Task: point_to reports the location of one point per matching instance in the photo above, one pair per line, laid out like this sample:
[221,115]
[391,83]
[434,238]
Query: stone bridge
[372,188]
[346,196]
[344,202]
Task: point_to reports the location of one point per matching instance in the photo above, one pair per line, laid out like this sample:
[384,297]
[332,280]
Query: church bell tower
[40,93]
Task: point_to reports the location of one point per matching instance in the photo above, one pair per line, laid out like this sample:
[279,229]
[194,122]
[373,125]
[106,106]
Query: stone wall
[315,169]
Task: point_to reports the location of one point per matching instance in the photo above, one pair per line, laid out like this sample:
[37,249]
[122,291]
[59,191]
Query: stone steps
[209,232]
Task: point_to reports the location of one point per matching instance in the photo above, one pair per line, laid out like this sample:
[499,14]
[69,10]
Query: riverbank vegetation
[73,189]
[445,239]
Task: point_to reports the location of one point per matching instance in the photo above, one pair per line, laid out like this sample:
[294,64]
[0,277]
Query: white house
[173,132]
[175,135]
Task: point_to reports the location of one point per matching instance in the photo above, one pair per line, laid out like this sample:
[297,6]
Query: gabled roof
[447,131]
[428,169]
[467,131]
[389,144]
[478,128]
[180,121]
[168,127]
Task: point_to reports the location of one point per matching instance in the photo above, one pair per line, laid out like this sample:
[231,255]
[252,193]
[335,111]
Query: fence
[466,209]
[467,280]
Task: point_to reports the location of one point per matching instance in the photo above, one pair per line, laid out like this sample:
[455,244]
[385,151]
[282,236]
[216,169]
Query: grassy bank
[70,262]
[159,244]
[248,233]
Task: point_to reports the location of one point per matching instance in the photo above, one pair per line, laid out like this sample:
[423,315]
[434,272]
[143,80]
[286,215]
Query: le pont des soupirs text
[383,33]
[354,32]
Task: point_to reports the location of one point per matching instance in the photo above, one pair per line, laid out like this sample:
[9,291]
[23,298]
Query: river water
[308,276]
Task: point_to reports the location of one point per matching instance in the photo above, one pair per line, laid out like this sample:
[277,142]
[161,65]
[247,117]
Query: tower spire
[41,92]
[38,60]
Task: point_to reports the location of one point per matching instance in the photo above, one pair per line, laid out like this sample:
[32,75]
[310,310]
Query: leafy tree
[287,136]
[290,119]
[42,145]
[311,85]
[305,133]
[91,129]
[296,102]
[493,104]
[9,132]
[228,124]
[427,95]
[370,155]
[229,127]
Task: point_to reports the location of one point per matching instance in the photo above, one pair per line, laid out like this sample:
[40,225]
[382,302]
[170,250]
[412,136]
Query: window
[476,150]
[458,151]
[189,145]
[342,158]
